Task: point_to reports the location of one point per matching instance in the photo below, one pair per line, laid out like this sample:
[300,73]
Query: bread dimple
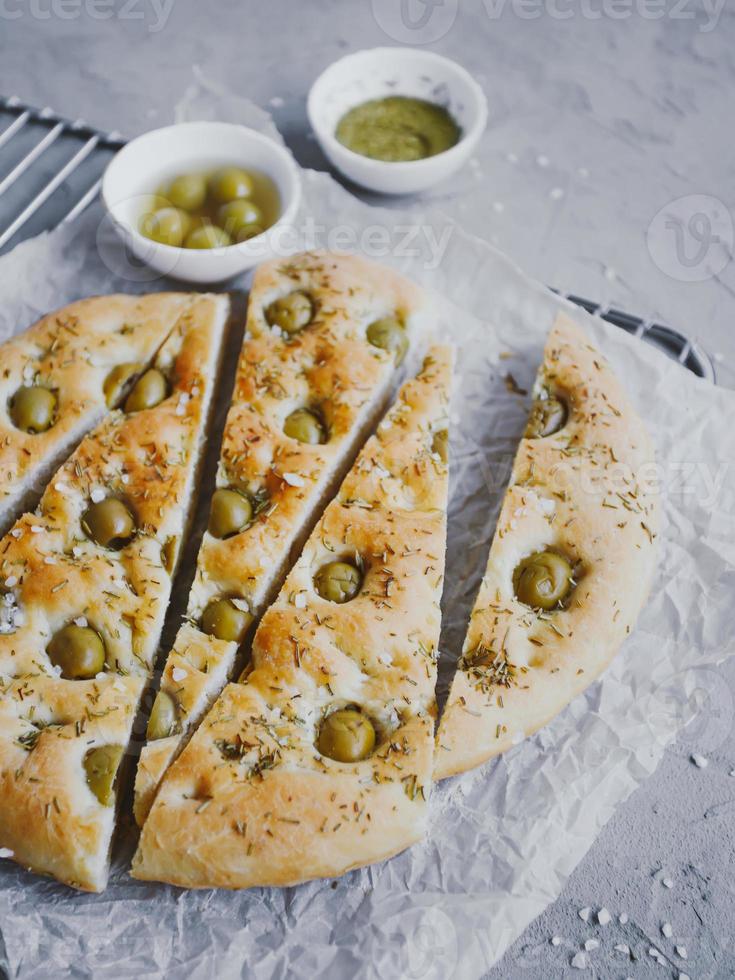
[330,368]
[53,574]
[251,801]
[587,492]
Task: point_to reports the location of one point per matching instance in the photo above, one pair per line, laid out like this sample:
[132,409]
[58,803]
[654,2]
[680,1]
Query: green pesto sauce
[397,128]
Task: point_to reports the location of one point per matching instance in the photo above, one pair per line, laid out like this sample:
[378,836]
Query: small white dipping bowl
[145,163]
[377,73]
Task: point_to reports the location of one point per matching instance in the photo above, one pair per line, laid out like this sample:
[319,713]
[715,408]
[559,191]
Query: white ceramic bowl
[377,73]
[146,162]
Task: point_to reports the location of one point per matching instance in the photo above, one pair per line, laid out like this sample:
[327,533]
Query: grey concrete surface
[602,113]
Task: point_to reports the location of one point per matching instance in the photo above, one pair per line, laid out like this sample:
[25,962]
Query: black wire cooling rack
[51,170]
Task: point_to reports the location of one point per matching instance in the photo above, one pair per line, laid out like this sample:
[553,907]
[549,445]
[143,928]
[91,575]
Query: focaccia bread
[570,565]
[61,376]
[86,581]
[320,759]
[344,322]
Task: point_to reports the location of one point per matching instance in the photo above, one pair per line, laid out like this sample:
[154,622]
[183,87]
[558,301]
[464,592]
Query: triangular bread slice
[66,720]
[329,366]
[586,492]
[252,800]
[72,355]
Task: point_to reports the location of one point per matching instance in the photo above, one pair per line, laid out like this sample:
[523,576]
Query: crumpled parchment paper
[504,838]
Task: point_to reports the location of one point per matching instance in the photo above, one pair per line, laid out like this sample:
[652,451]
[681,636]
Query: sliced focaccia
[86,580]
[320,759]
[570,565]
[61,376]
[323,336]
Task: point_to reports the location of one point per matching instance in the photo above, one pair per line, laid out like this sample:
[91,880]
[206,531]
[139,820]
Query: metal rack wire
[51,170]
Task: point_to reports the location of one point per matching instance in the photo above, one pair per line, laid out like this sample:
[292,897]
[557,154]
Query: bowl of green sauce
[397,120]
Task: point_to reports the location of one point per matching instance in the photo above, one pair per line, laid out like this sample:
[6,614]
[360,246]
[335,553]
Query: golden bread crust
[588,493]
[52,573]
[251,801]
[330,367]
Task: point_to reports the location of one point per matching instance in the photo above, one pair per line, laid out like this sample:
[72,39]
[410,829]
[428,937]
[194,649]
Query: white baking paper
[505,838]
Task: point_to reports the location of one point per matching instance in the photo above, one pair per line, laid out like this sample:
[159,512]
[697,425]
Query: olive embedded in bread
[78,651]
[164,717]
[231,512]
[101,765]
[223,619]
[109,523]
[390,335]
[548,415]
[189,191]
[338,581]
[346,735]
[543,580]
[117,381]
[291,313]
[149,390]
[439,444]
[33,409]
[305,426]
[230,184]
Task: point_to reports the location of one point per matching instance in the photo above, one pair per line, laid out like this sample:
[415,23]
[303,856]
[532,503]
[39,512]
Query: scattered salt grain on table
[579,961]
[623,918]
[700,761]
[667,930]
[591,944]
[584,914]
[603,916]
[622,948]
[556,940]
[681,951]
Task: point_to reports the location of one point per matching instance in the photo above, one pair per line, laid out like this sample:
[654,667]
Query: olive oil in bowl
[211,210]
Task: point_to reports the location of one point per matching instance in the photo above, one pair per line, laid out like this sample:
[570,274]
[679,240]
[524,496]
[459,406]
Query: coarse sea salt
[294,480]
[97,495]
[178,674]
[579,961]
[603,916]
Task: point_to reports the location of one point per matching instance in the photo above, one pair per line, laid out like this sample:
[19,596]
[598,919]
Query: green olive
[224,620]
[231,512]
[230,184]
[305,426]
[149,390]
[338,581]
[101,765]
[78,650]
[109,523]
[167,226]
[243,216]
[188,192]
[117,381]
[346,735]
[33,409]
[548,415]
[164,717]
[291,313]
[389,334]
[439,444]
[207,236]
[543,580]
